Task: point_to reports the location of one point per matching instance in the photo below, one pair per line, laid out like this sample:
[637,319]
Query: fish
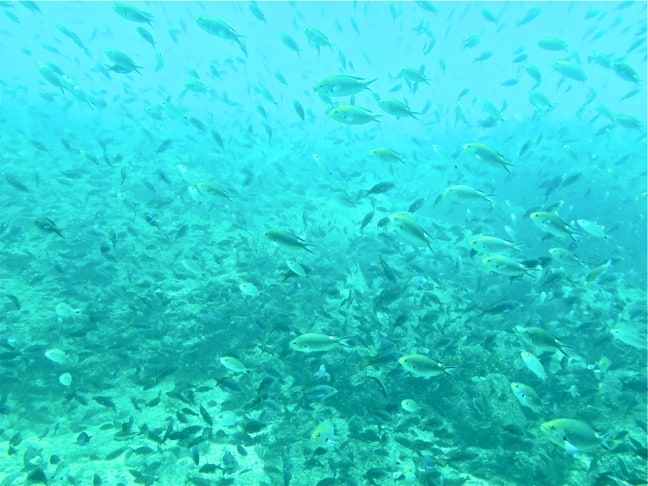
[123,64]
[233,364]
[625,72]
[462,193]
[256,11]
[147,36]
[299,109]
[570,70]
[552,44]
[597,271]
[424,367]
[132,13]
[410,405]
[219,28]
[505,265]
[492,244]
[352,115]
[551,223]
[313,343]
[527,396]
[413,76]
[249,289]
[530,15]
[488,155]
[565,257]
[539,340]
[317,39]
[410,229]
[341,85]
[386,155]
[295,267]
[534,365]
[287,240]
[323,435]
[396,108]
[290,43]
[502,307]
[572,435]
[630,338]
[380,188]
[48,226]
[320,393]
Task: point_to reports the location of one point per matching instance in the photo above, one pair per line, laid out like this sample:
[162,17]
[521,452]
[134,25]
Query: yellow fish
[322,436]
[312,343]
[423,367]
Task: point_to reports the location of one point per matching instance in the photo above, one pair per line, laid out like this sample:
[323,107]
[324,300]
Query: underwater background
[322,243]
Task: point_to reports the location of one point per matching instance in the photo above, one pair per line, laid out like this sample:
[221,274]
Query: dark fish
[154,401]
[15,182]
[37,475]
[48,226]
[230,464]
[146,35]
[241,450]
[299,109]
[105,401]
[380,188]
[54,459]
[502,307]
[209,468]
[141,478]
[256,11]
[195,455]
[164,145]
[205,415]
[96,480]
[218,139]
[383,222]
[366,220]
[416,205]
[116,453]
[83,438]
[14,299]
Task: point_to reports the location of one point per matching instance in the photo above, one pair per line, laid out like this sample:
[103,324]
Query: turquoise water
[222,265]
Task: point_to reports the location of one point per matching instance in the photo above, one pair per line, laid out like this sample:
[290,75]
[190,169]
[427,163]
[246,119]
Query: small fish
[320,393]
[570,70]
[299,109]
[341,85]
[290,43]
[286,239]
[352,115]
[539,340]
[410,229]
[492,244]
[317,39]
[48,226]
[249,289]
[233,364]
[551,223]
[134,14]
[534,365]
[505,265]
[380,188]
[422,366]
[312,343]
[396,108]
[630,338]
[527,396]
[386,155]
[323,435]
[410,405]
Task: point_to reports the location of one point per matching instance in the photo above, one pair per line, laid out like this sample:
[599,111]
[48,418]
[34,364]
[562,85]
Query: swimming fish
[323,435]
[313,343]
[233,364]
[527,396]
[462,193]
[572,435]
[317,39]
[386,155]
[396,108]
[488,155]
[410,405]
[218,28]
[286,239]
[341,85]
[505,265]
[122,63]
[352,115]
[423,367]
[570,70]
[249,289]
[134,14]
[492,244]
[534,365]
[410,229]
[539,340]
[552,224]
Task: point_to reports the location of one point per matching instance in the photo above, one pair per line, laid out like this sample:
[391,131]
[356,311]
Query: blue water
[163,215]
